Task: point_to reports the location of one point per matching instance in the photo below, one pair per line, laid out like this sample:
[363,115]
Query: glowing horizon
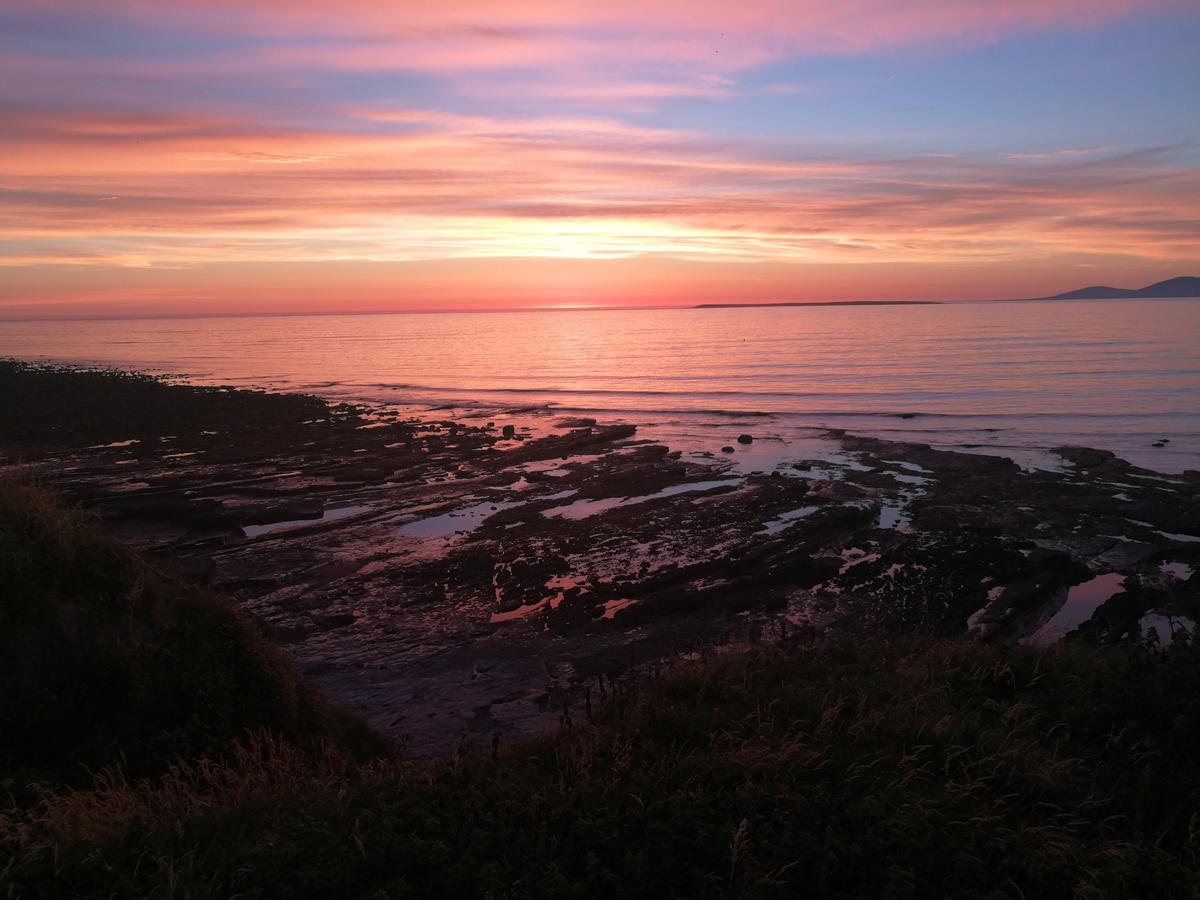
[198,157]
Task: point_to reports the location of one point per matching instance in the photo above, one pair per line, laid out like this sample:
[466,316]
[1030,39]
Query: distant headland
[1183,286]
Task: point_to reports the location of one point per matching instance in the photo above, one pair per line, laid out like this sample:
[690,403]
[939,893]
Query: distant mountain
[1183,286]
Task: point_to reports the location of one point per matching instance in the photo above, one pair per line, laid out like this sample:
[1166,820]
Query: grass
[902,767]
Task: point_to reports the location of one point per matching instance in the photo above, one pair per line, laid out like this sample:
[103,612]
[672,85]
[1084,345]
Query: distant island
[1183,286]
[823,303]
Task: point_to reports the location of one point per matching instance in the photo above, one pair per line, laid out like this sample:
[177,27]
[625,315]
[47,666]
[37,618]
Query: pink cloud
[622,54]
[514,33]
[102,185]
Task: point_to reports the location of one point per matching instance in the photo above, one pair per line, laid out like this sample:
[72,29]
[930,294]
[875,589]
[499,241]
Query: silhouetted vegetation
[106,659]
[901,767]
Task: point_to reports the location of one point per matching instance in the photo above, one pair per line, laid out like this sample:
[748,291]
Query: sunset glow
[599,448]
[264,157]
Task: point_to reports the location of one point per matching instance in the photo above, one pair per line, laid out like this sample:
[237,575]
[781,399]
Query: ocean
[1005,378]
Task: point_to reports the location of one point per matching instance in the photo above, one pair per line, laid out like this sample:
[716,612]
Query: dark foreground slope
[105,658]
[909,768]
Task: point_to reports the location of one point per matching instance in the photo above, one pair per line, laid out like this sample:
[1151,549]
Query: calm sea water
[1002,377]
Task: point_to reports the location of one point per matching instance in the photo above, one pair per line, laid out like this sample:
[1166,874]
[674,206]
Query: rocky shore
[461,579]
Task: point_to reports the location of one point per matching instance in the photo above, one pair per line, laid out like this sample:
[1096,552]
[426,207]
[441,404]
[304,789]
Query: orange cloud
[190,191]
[155,187]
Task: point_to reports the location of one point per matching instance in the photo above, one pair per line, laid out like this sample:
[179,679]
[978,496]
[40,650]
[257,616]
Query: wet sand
[454,579]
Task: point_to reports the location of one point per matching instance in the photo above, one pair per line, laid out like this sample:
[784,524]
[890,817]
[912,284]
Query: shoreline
[444,579]
[1165,441]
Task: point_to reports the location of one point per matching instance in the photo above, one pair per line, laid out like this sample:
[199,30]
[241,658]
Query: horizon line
[506,309]
[783,304]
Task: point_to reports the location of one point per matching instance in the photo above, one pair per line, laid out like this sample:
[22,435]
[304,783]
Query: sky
[167,158]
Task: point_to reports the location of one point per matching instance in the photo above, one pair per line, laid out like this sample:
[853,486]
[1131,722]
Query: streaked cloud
[182,136]
[1060,152]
